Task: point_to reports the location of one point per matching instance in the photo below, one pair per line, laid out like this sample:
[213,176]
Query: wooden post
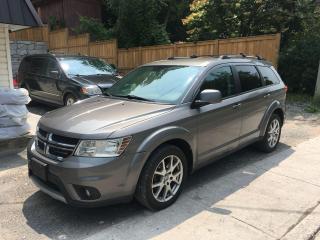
[317,89]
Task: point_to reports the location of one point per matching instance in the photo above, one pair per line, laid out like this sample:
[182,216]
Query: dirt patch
[300,125]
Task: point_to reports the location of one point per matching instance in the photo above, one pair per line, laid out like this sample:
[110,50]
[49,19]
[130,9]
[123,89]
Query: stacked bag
[13,113]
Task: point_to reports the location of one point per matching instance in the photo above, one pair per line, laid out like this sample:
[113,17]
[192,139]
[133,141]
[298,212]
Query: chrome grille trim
[45,145]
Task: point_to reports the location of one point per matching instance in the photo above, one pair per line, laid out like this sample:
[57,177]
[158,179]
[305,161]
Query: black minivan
[65,79]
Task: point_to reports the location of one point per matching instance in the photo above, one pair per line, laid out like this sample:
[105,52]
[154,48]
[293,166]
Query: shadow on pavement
[204,188]
[40,108]
[11,160]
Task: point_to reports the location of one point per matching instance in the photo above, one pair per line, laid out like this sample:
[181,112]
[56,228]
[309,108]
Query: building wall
[5,58]
[20,49]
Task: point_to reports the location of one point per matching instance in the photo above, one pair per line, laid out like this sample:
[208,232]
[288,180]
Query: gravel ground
[26,213]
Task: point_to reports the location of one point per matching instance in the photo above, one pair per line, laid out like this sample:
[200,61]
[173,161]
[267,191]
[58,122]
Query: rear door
[253,101]
[33,76]
[219,124]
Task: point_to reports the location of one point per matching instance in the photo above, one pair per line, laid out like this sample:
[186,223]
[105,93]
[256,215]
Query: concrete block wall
[20,49]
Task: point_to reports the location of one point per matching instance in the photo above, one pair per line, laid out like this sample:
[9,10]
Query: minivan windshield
[164,84]
[85,66]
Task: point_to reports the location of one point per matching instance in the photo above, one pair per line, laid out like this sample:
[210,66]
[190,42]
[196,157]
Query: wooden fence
[37,34]
[266,46]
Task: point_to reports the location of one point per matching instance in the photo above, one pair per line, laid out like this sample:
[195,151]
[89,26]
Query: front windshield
[165,84]
[85,66]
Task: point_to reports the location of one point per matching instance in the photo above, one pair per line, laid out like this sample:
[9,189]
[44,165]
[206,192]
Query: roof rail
[173,58]
[242,55]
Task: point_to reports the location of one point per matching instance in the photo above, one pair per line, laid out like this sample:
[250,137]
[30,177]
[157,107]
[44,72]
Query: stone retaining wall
[20,49]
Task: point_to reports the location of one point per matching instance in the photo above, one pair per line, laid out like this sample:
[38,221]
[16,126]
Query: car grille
[55,146]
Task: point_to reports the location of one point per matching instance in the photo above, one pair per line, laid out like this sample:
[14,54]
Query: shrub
[56,24]
[299,63]
[96,29]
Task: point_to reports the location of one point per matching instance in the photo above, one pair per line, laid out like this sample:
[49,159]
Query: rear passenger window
[220,79]
[249,78]
[37,66]
[268,75]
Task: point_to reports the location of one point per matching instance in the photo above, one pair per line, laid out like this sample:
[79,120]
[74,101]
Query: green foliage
[299,62]
[137,22]
[312,108]
[210,19]
[95,28]
[56,24]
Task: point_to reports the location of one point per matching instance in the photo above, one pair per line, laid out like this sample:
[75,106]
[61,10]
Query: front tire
[272,135]
[162,178]
[69,100]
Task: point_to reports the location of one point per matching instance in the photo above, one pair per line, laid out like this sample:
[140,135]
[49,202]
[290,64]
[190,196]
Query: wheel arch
[177,136]
[276,108]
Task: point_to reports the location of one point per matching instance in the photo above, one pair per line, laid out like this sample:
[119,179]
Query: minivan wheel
[272,135]
[162,178]
[69,100]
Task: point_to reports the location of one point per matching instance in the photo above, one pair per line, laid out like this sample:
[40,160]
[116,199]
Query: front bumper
[113,179]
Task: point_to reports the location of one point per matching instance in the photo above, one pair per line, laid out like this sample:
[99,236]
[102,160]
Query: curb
[14,145]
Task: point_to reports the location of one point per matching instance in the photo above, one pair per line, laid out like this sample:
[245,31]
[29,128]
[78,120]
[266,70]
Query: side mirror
[206,97]
[54,74]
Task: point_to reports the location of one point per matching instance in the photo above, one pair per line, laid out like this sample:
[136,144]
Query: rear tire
[162,178]
[69,100]
[271,138]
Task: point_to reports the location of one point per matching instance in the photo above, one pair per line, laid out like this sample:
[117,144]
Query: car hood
[99,117]
[103,81]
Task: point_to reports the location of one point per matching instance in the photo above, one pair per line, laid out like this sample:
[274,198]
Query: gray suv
[154,127]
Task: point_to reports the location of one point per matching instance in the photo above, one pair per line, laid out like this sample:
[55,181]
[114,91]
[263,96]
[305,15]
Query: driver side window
[220,79]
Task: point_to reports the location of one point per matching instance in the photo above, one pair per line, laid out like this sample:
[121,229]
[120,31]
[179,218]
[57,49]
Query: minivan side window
[37,66]
[220,79]
[51,66]
[268,75]
[249,78]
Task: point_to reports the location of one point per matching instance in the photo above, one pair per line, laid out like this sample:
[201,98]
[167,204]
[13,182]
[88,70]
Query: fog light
[87,193]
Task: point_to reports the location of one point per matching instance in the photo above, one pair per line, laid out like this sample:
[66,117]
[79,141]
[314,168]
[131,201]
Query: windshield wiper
[133,97]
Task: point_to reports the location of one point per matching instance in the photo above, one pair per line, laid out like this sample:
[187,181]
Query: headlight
[102,148]
[91,90]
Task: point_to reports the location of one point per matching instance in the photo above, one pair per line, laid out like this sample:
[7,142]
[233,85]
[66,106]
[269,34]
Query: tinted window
[165,84]
[249,78]
[37,66]
[220,79]
[268,75]
[51,66]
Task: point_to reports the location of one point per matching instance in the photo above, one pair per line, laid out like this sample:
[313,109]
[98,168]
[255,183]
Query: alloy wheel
[167,178]
[273,133]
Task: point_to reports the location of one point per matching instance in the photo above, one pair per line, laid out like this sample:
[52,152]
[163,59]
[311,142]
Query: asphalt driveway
[247,195]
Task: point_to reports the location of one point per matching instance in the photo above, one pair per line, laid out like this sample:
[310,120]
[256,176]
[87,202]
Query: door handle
[267,95]
[236,106]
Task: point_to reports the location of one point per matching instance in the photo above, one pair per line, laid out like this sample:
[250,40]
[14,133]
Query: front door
[50,80]
[219,124]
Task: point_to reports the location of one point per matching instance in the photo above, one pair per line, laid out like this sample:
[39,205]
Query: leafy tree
[171,15]
[137,22]
[211,19]
[96,29]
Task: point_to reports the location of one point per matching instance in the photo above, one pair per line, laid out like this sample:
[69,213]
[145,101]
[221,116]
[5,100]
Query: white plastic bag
[14,96]
[13,132]
[12,121]
[13,111]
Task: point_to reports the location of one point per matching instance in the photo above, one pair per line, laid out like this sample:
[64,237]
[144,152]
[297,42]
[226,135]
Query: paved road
[247,195]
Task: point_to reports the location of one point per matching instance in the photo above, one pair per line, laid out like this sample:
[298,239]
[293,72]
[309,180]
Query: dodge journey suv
[64,79]
[154,127]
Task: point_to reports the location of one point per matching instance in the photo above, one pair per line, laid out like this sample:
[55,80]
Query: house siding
[5,68]
[68,10]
